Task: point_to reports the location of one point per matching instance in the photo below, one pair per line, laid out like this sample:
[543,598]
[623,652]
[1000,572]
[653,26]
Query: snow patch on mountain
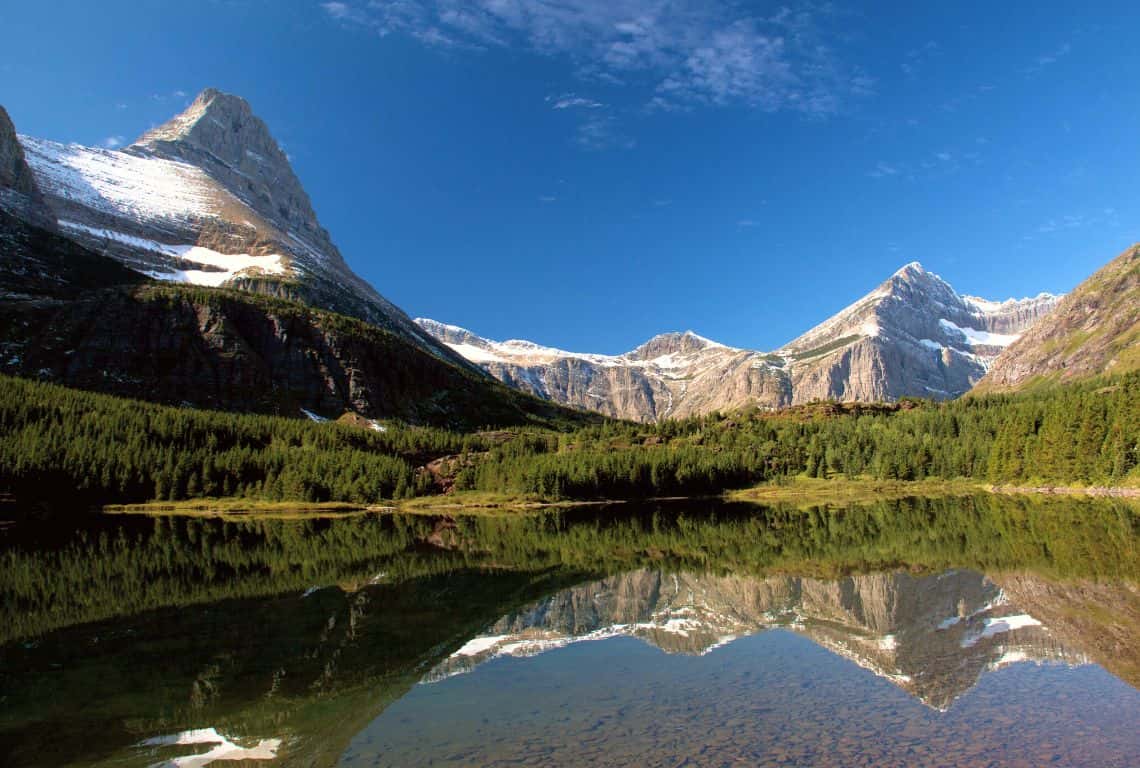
[120,184]
[974,336]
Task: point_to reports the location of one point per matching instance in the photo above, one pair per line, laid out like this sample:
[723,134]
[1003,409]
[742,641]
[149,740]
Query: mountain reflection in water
[932,636]
[176,641]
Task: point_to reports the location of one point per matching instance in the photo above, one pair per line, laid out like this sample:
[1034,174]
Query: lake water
[967,632]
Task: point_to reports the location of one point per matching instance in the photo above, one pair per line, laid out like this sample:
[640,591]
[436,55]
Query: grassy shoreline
[799,491]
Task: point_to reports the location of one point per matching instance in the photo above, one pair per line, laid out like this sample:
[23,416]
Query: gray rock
[912,336]
[673,375]
[19,194]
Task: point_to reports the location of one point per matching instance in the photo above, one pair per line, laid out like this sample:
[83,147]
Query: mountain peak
[675,342]
[912,268]
[915,272]
[219,123]
[220,134]
[913,276]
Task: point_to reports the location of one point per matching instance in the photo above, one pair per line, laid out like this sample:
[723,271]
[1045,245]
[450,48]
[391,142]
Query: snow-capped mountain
[933,636]
[913,335]
[672,375]
[77,308]
[208,198]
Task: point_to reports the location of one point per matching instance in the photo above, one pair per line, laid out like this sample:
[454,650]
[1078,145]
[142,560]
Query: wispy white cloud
[1099,218]
[547,198]
[602,132]
[111,142]
[175,95]
[681,52]
[882,170]
[1049,59]
[573,101]
[338,10]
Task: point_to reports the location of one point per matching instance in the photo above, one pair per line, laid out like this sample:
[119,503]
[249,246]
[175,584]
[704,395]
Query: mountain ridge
[912,335]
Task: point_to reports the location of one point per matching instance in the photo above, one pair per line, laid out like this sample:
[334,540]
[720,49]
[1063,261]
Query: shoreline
[801,491]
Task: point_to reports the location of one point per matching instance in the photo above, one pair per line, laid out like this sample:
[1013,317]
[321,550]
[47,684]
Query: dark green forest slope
[64,444]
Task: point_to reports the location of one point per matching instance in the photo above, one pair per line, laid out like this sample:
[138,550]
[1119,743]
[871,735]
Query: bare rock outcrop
[19,194]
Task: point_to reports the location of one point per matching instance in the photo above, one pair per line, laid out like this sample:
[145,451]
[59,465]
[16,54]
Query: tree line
[59,442]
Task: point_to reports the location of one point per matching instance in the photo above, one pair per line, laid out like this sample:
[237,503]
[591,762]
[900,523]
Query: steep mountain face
[19,194]
[72,315]
[39,265]
[933,636]
[230,350]
[912,336]
[671,376]
[1094,330]
[209,198]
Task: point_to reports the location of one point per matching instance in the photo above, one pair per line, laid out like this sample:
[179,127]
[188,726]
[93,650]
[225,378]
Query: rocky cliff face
[231,351]
[209,198]
[1094,330]
[912,336]
[933,636]
[19,194]
[671,376]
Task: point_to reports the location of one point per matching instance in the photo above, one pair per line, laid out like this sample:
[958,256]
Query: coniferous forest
[64,445]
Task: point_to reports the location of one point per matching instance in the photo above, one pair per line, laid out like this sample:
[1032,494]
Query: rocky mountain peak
[910,271]
[220,134]
[913,277]
[216,122]
[674,343]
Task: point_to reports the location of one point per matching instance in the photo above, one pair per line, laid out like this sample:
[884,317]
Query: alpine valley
[257,509]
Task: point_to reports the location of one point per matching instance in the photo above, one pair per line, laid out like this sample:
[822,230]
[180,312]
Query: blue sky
[587,173]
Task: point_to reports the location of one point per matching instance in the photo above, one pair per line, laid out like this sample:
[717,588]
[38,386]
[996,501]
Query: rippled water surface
[956,632]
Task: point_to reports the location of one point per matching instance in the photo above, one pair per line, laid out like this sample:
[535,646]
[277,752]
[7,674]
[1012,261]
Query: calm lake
[956,632]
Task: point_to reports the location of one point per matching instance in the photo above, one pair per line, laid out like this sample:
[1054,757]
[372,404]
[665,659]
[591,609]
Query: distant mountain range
[912,336]
[209,199]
